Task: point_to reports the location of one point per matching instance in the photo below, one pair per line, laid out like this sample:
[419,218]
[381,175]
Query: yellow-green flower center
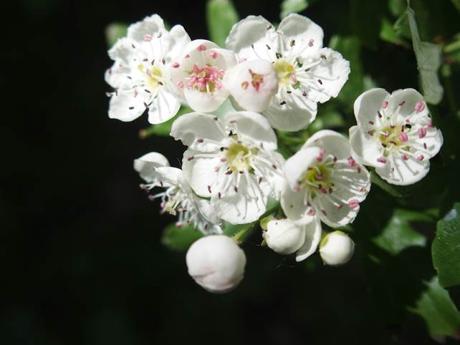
[285,72]
[153,76]
[317,178]
[238,157]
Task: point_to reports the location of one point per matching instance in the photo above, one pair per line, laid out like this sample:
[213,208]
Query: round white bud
[284,236]
[336,248]
[216,263]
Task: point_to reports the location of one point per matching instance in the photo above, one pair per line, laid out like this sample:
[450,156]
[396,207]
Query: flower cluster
[266,78]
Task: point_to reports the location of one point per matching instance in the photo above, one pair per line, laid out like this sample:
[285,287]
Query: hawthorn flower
[140,74]
[336,248]
[198,74]
[231,160]
[307,73]
[395,134]
[287,237]
[216,263]
[323,179]
[177,198]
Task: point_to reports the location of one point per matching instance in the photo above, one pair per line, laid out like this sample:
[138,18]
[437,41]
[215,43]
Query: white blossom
[198,74]
[336,248]
[323,179]
[216,263]
[395,134]
[140,74]
[231,160]
[287,237]
[177,197]
[307,73]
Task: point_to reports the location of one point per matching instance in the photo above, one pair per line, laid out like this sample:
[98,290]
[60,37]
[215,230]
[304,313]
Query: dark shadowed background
[81,261]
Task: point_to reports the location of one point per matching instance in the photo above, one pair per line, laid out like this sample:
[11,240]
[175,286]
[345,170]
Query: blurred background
[81,254]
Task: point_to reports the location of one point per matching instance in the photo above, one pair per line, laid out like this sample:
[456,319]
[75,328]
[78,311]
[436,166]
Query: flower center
[205,79]
[285,72]
[153,76]
[317,178]
[238,157]
[392,137]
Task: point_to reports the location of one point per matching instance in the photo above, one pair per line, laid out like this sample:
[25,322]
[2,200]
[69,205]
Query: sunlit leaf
[439,312]
[446,248]
[399,234]
[114,31]
[221,16]
[179,238]
[428,57]
[292,6]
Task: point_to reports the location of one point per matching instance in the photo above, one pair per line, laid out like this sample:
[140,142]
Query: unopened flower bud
[284,236]
[336,248]
[216,263]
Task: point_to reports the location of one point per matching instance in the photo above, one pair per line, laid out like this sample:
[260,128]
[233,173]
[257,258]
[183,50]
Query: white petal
[404,102]
[291,112]
[122,51]
[366,149]
[430,144]
[342,205]
[141,30]
[208,211]
[307,36]
[332,142]
[297,165]
[404,172]
[294,203]
[163,107]
[240,207]
[202,132]
[250,36]
[126,106]
[252,84]
[367,106]
[331,74]
[253,127]
[170,176]
[147,164]
[116,76]
[203,101]
[178,38]
[199,172]
[312,238]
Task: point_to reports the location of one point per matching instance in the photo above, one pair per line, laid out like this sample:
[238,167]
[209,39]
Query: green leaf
[398,234]
[114,31]
[221,16]
[162,129]
[292,6]
[179,238]
[446,248]
[428,57]
[389,34]
[439,312]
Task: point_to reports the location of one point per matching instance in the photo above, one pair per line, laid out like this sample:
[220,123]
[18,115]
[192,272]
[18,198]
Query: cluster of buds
[266,78]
